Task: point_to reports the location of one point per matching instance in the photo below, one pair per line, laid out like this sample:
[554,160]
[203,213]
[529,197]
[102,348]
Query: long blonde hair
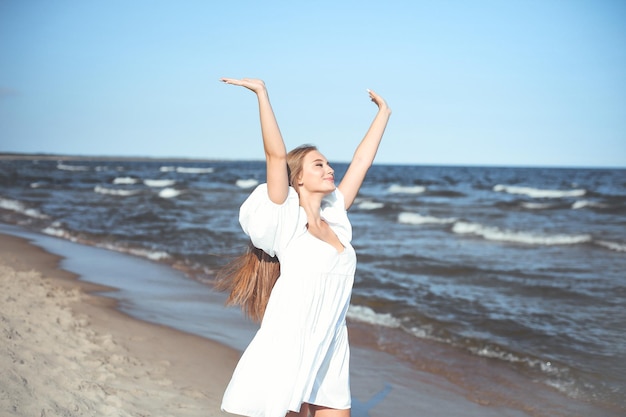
[250,277]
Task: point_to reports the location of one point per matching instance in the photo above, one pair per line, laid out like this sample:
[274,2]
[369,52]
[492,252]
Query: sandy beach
[66,352]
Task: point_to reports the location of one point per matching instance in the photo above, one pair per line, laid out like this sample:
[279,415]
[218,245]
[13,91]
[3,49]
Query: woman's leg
[319,411]
[304,411]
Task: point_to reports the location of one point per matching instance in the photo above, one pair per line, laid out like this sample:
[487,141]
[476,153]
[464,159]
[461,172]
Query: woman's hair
[250,277]
[295,163]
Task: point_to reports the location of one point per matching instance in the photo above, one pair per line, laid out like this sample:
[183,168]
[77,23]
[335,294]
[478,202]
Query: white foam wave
[539,193]
[488,352]
[618,247]
[159,183]
[367,315]
[566,387]
[415,218]
[114,191]
[557,376]
[370,205]
[18,207]
[144,253]
[586,203]
[403,189]
[546,367]
[187,170]
[537,206]
[503,235]
[125,180]
[169,193]
[109,168]
[37,184]
[66,167]
[249,183]
[58,232]
[153,255]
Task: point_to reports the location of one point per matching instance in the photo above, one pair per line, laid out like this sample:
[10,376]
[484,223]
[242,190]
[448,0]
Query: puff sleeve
[270,226]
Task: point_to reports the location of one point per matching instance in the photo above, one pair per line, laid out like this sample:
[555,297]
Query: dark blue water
[522,266]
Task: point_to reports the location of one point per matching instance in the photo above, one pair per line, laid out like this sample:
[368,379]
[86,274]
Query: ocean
[521,270]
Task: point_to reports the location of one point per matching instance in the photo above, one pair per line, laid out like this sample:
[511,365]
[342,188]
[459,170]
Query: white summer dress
[300,353]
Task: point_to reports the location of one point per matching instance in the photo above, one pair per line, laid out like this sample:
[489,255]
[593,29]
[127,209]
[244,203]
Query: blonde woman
[296,278]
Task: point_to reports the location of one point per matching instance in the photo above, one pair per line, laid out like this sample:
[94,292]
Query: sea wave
[404,189]
[370,205]
[101,168]
[503,235]
[159,183]
[56,230]
[415,218]
[187,170]
[19,207]
[143,253]
[367,315]
[554,375]
[246,183]
[114,191]
[537,206]
[538,192]
[615,246]
[66,167]
[169,193]
[125,180]
[493,352]
[587,203]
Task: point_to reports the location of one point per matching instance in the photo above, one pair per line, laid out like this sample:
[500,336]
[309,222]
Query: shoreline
[171,362]
[69,350]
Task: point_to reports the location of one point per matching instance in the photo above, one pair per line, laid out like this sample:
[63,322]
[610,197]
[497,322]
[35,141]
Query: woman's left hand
[378,100]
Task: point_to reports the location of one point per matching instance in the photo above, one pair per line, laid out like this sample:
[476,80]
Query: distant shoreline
[8,156]
[56,157]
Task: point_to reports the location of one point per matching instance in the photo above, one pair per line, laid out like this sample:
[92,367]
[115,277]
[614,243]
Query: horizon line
[86,157]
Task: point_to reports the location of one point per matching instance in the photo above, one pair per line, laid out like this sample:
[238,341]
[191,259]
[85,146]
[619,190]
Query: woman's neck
[312,203]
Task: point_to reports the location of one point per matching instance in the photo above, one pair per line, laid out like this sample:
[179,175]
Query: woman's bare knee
[319,411]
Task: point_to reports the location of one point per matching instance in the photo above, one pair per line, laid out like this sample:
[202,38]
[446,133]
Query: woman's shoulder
[261,195]
[258,204]
[269,225]
[335,214]
[334,200]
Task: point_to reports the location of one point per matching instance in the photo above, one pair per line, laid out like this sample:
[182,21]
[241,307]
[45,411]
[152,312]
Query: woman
[298,362]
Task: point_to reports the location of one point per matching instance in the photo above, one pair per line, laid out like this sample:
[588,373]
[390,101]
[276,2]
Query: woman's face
[317,175]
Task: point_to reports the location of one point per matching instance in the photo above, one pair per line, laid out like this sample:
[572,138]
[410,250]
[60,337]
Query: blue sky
[533,82]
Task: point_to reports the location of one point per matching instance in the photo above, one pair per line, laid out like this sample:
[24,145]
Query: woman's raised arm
[275,151]
[365,152]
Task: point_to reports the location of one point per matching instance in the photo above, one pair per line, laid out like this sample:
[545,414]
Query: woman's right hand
[250,83]
[275,152]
